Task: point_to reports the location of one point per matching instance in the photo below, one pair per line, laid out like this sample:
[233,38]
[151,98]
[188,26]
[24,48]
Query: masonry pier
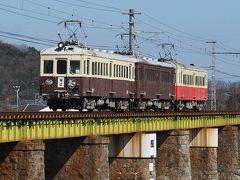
[77,158]
[228,153]
[22,160]
[132,156]
[203,152]
[173,156]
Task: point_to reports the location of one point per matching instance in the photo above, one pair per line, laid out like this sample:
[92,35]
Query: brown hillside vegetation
[18,66]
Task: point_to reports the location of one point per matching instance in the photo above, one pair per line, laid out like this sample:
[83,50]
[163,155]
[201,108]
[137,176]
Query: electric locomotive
[73,77]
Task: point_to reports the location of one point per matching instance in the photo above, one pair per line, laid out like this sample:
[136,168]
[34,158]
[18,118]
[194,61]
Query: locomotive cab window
[75,67]
[61,67]
[48,67]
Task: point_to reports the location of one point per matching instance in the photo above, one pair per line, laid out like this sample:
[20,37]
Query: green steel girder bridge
[23,126]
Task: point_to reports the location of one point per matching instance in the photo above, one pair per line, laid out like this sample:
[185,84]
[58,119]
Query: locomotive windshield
[48,67]
[75,67]
[61,67]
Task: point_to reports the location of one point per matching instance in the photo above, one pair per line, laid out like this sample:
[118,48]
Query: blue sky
[187,24]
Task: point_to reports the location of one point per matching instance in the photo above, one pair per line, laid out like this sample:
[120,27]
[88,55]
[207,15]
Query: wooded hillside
[18,66]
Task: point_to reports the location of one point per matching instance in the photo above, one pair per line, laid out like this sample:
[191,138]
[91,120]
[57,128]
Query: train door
[61,73]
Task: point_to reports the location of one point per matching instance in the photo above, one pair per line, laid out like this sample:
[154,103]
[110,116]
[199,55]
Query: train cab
[191,87]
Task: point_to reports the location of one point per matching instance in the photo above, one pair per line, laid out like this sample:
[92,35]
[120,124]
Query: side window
[110,69]
[200,81]
[75,67]
[48,66]
[99,68]
[102,69]
[114,71]
[84,67]
[121,71]
[88,66]
[179,80]
[96,68]
[61,67]
[181,76]
[93,68]
[130,72]
[118,70]
[184,79]
[106,69]
[133,72]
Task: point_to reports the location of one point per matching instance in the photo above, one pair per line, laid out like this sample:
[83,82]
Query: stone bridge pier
[77,158]
[228,153]
[204,153]
[73,158]
[132,156]
[22,160]
[187,154]
[173,156]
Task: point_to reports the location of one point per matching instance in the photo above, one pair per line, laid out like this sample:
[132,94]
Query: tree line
[19,66]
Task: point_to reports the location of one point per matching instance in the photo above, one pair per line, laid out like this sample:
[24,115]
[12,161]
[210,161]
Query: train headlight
[61,45]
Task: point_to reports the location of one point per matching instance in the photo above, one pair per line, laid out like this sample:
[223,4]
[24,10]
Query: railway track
[81,115]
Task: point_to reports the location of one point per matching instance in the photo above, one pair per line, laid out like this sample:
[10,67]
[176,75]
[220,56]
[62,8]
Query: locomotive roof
[69,50]
[187,66]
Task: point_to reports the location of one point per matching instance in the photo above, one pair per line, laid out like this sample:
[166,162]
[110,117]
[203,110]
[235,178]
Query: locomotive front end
[60,77]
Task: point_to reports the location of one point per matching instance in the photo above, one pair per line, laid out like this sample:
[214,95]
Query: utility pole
[17,89]
[213,83]
[131,30]
[213,69]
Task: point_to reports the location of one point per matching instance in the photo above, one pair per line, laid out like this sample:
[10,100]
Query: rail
[83,115]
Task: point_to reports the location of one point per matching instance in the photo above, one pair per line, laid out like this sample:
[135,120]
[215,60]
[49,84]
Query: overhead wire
[202,51]
[30,41]
[88,7]
[29,16]
[227,47]
[118,10]
[168,36]
[176,29]
[91,21]
[100,5]
[63,12]
[33,12]
[29,37]
[222,72]
[111,28]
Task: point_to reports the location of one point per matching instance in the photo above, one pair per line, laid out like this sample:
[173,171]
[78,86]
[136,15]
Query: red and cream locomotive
[72,77]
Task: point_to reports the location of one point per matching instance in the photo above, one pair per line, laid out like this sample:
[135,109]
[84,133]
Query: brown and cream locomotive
[72,77]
